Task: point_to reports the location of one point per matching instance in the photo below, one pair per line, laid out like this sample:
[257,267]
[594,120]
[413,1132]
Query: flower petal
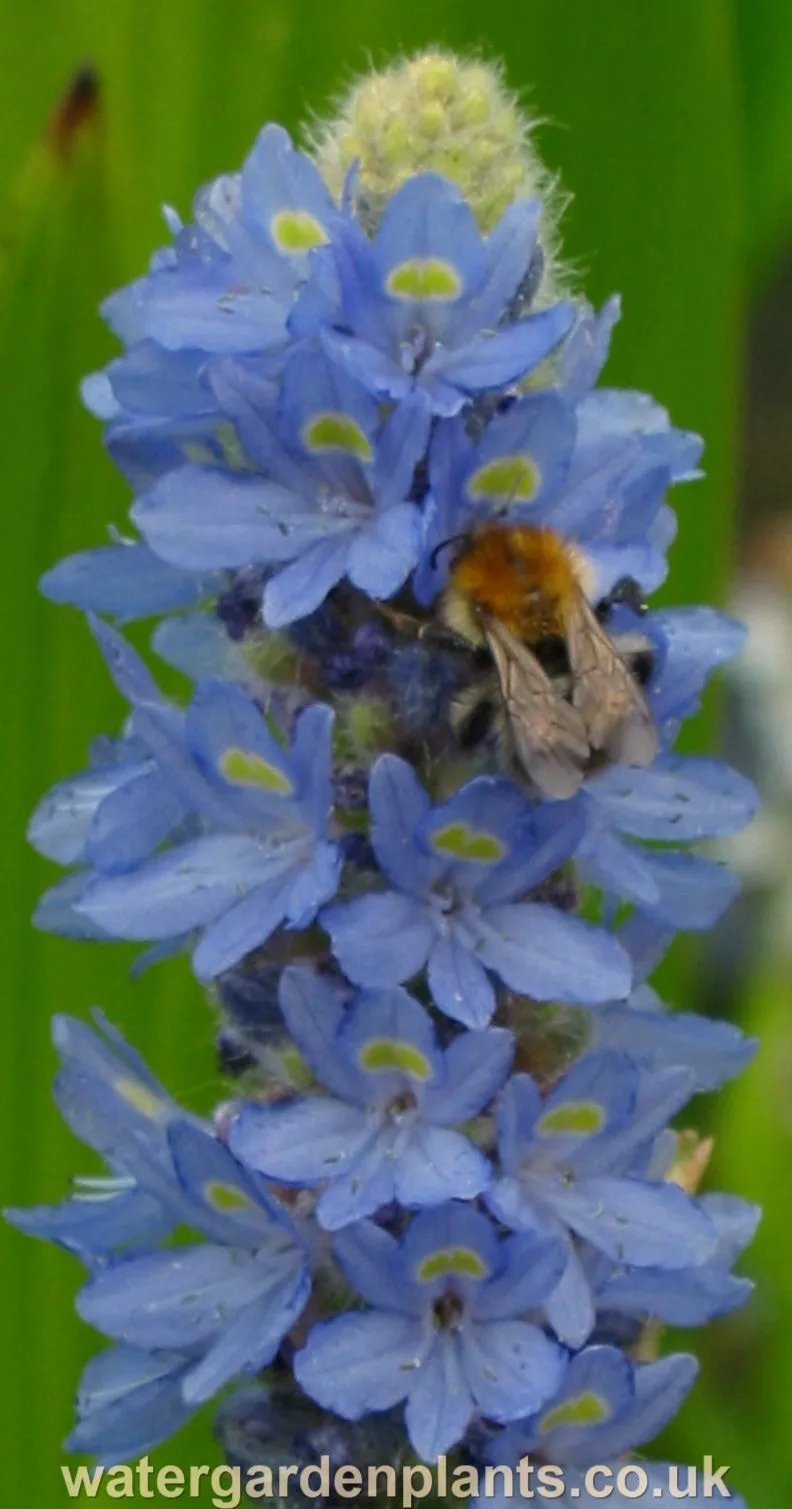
[380,939]
[511,1367]
[127,581]
[358,1363]
[299,1141]
[241,928]
[476,1064]
[678,797]
[492,361]
[440,1404]
[399,804]
[636,1222]
[128,1401]
[435,1165]
[459,984]
[542,952]
[202,519]
[177,1297]
[382,555]
[301,587]
[182,888]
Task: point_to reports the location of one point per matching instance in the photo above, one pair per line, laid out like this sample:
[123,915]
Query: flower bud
[439,113]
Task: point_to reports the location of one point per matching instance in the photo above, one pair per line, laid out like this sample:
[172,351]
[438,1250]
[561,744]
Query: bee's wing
[605,693]
[547,733]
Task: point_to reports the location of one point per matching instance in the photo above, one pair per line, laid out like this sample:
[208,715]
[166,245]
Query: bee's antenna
[444,544]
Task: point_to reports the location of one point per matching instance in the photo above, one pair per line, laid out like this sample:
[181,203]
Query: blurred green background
[671,125]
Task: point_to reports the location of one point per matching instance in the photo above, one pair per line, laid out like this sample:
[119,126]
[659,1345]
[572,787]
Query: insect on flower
[563,695]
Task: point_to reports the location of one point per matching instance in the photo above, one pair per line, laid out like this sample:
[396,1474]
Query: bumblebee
[564,697]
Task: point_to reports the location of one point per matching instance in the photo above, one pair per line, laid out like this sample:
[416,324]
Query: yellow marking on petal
[460,1260]
[141,1099]
[336,432]
[232,452]
[244,768]
[583,1116]
[381,1053]
[460,841]
[226,1198]
[585,1409]
[424,278]
[198,453]
[297,231]
[227,449]
[516,478]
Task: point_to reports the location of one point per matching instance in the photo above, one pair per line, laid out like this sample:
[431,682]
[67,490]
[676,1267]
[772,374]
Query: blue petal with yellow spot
[606,1405]
[422,305]
[587,1176]
[241,819]
[461,870]
[445,1333]
[386,1133]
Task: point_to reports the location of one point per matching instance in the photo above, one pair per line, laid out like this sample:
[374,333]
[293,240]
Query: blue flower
[425,303]
[65,825]
[677,798]
[460,872]
[687,1296]
[255,853]
[228,1301]
[384,1133]
[160,409]
[657,1038]
[234,1295]
[597,474]
[332,498]
[225,288]
[691,644]
[105,1215]
[606,1405]
[174,1173]
[445,1332]
[228,283]
[111,1102]
[578,1162]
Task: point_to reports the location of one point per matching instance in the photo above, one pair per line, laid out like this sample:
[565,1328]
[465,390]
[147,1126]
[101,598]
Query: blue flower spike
[441,1202]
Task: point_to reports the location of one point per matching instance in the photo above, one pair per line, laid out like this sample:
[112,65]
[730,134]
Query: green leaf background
[672,126]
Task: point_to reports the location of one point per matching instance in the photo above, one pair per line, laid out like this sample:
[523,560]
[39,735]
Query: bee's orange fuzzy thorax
[522,575]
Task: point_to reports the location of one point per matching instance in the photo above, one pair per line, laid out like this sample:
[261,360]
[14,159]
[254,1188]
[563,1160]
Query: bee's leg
[473,724]
[430,632]
[626,591]
[439,637]
[404,623]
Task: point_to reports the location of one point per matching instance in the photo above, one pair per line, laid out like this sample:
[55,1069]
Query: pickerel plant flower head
[443,1208]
